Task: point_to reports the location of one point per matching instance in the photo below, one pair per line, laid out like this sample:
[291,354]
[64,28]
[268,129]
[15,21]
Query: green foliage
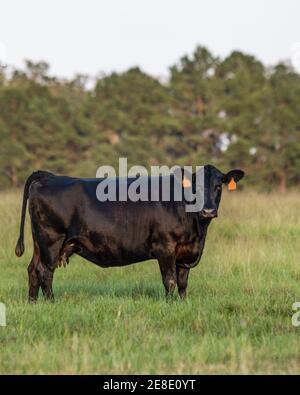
[61,126]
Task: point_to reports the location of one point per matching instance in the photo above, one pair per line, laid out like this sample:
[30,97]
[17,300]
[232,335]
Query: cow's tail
[19,251]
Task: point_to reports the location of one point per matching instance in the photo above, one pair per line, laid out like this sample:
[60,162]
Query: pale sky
[90,36]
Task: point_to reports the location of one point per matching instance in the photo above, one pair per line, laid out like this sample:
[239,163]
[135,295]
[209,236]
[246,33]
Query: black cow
[67,218]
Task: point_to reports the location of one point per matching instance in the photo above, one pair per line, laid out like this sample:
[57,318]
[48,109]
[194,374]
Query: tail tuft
[19,251]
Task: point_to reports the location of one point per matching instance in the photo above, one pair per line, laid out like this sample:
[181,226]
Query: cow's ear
[236,175]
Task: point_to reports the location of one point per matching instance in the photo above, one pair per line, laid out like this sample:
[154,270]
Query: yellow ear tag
[232,185]
[186,182]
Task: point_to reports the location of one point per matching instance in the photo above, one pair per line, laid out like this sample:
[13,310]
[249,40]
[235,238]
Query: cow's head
[213,181]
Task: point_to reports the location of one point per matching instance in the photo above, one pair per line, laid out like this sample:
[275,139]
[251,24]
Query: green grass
[236,319]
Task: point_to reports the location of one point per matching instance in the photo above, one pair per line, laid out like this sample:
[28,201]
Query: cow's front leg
[182,280]
[167,267]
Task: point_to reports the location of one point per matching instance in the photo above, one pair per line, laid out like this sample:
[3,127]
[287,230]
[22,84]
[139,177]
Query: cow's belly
[107,252]
[110,259]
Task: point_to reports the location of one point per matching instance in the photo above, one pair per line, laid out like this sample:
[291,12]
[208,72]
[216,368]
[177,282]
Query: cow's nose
[209,213]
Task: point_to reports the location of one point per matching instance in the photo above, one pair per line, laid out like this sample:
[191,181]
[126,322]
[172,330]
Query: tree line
[232,112]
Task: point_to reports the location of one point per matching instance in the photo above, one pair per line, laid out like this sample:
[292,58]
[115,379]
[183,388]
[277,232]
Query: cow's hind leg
[168,272]
[182,280]
[46,278]
[33,278]
[47,266]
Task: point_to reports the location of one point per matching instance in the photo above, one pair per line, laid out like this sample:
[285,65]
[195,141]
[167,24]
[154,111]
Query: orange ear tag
[186,182]
[232,185]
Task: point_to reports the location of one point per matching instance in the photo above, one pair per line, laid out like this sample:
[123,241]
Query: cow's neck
[202,226]
[196,228]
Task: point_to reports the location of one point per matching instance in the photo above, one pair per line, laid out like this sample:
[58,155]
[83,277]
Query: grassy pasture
[236,319]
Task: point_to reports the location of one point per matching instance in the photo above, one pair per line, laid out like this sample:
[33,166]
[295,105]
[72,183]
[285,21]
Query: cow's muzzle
[208,213]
